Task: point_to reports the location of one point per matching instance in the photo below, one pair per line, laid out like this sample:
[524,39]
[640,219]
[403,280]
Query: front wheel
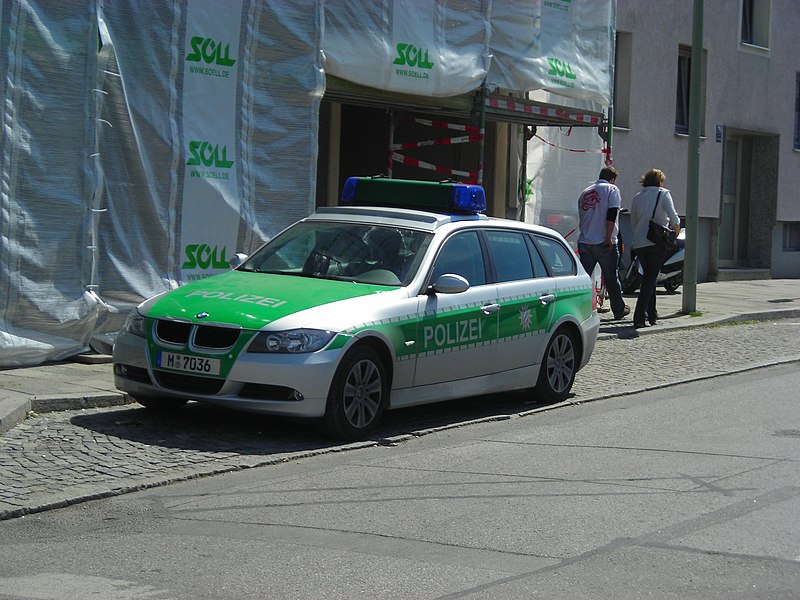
[358,395]
[559,365]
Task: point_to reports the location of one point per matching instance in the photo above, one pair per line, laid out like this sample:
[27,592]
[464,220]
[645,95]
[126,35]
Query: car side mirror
[237,260]
[449,283]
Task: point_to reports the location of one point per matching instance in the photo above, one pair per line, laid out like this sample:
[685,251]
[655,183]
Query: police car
[404,294]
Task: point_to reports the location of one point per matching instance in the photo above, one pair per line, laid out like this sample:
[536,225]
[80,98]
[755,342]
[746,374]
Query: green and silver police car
[404,294]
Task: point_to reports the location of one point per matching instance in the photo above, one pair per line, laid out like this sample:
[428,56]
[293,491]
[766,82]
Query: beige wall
[746,89]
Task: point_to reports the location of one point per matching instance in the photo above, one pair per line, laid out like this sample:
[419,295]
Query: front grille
[205,336]
[189,383]
[208,336]
[173,332]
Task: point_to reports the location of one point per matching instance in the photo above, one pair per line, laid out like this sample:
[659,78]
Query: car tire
[558,368]
[631,281]
[673,283]
[358,395]
[161,404]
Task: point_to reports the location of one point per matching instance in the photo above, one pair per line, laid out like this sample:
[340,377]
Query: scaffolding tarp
[47,58]
[449,47]
[145,143]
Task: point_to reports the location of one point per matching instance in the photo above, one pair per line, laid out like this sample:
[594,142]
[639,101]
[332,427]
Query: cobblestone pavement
[66,457]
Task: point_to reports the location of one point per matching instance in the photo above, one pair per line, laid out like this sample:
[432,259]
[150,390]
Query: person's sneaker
[624,314]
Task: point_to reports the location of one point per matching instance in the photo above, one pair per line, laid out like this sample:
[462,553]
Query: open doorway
[735,212]
[355,140]
[749,201]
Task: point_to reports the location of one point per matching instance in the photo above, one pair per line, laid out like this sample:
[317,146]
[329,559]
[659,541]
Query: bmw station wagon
[404,294]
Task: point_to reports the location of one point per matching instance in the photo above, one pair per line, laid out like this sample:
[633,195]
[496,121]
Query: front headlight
[294,340]
[134,324]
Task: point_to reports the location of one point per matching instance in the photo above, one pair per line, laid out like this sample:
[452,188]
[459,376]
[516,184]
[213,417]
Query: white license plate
[193,364]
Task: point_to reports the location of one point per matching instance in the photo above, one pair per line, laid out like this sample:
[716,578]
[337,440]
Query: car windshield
[374,254]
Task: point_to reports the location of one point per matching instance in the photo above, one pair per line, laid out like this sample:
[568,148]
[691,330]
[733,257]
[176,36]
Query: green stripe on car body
[530,317]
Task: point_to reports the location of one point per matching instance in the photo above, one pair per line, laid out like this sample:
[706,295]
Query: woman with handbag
[651,241]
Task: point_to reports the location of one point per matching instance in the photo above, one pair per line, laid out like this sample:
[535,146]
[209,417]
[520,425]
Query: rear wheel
[161,404]
[559,365]
[358,395]
[673,283]
[632,279]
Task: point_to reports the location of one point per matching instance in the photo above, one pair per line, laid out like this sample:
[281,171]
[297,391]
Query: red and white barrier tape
[441,124]
[543,111]
[471,176]
[464,139]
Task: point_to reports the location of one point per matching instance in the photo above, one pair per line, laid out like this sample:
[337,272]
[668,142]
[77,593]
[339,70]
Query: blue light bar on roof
[447,198]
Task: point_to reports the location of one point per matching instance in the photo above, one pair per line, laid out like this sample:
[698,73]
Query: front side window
[461,255]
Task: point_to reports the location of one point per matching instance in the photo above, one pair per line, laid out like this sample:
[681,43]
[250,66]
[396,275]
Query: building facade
[749,208]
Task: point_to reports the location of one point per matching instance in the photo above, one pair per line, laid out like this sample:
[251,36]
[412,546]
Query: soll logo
[204,153]
[204,256]
[210,52]
[560,68]
[408,54]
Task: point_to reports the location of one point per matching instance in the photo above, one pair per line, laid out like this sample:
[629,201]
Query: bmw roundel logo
[201,315]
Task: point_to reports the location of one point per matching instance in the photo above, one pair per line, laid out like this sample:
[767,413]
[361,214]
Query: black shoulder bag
[661,236]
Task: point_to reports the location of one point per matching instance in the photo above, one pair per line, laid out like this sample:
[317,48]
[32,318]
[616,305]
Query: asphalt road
[687,491]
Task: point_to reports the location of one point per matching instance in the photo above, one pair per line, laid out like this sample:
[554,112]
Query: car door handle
[547,299]
[488,309]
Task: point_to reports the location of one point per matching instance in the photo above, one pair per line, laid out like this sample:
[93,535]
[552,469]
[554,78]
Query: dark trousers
[607,258]
[652,259]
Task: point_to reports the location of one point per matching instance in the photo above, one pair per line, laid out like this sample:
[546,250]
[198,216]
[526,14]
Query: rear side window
[512,261]
[560,260]
[539,269]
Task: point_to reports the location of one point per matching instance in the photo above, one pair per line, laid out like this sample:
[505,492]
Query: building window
[682,99]
[622,80]
[755,22]
[791,236]
[797,113]
[683,88]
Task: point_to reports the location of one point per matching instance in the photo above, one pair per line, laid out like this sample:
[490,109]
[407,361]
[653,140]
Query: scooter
[670,276]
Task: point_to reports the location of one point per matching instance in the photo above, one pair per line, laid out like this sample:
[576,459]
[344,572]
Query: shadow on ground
[203,427]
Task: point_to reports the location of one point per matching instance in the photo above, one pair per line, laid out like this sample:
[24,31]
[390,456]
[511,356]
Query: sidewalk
[87,381]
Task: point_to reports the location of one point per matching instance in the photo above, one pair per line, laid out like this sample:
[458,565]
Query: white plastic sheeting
[146,142]
[422,47]
[449,47]
[138,159]
[47,60]
[561,162]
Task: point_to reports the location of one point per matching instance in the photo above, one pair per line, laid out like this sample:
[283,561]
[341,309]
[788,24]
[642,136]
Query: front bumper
[281,384]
